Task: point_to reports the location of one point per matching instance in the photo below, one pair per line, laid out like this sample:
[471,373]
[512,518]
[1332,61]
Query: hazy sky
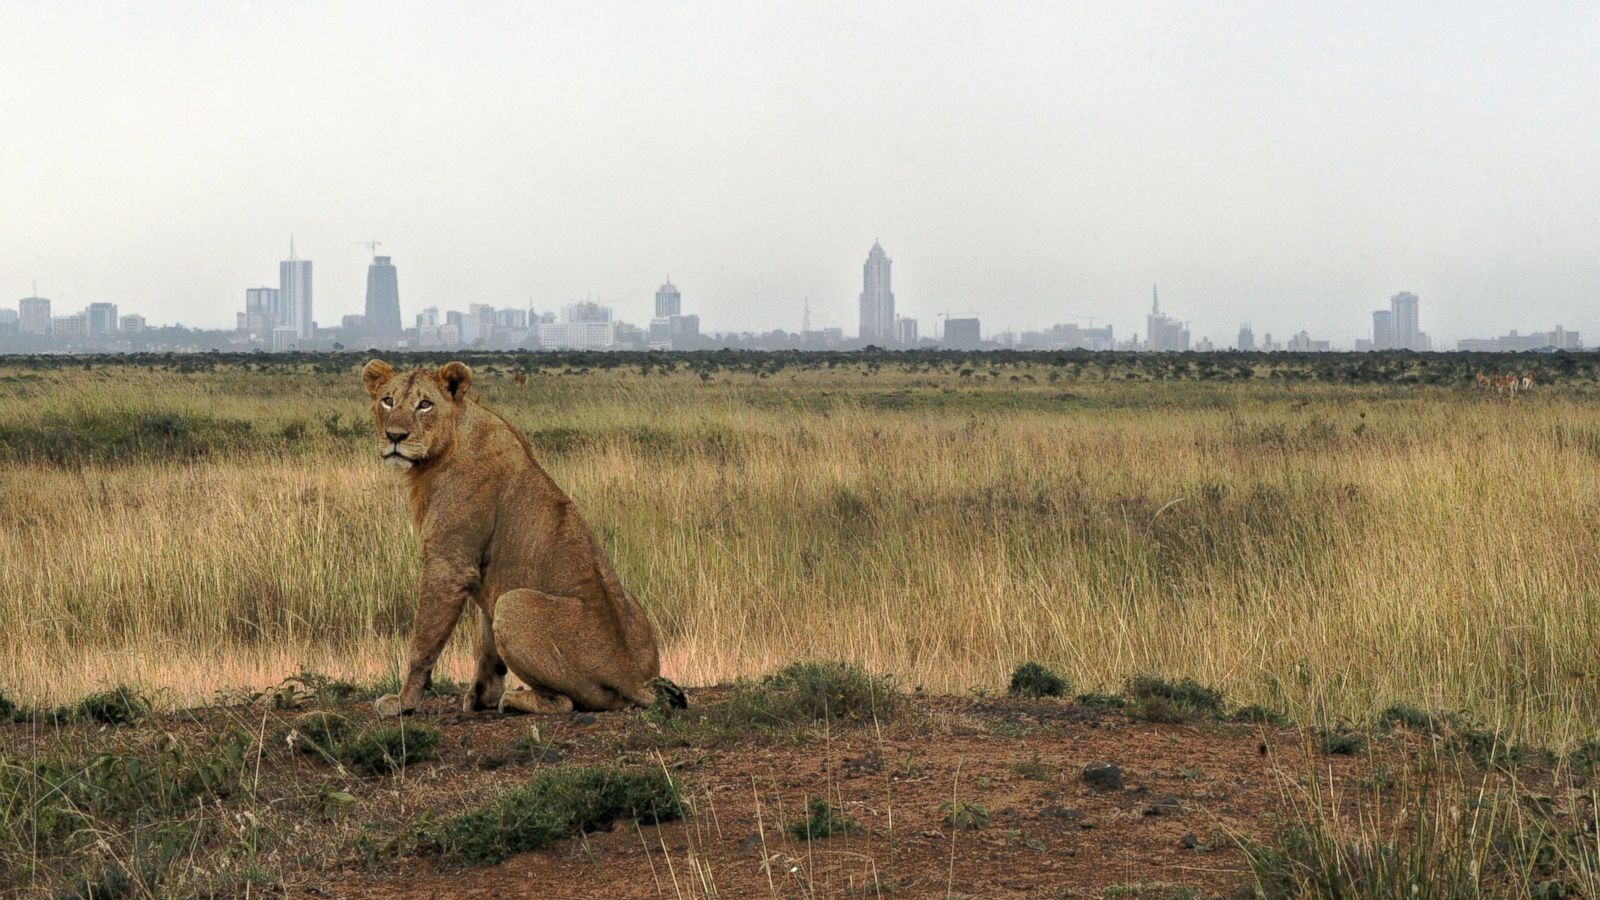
[1030,163]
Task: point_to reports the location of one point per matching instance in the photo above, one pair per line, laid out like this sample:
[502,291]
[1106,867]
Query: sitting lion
[496,530]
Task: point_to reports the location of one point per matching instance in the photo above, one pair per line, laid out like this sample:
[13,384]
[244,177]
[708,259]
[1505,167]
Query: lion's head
[416,411]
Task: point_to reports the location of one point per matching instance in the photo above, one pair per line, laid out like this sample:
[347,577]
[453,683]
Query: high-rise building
[102,319]
[263,311]
[877,300]
[1397,328]
[668,301]
[73,326]
[1163,334]
[133,323]
[584,326]
[294,295]
[33,315]
[587,311]
[1382,329]
[1407,336]
[382,319]
[962,334]
[284,338]
[1247,338]
[906,332]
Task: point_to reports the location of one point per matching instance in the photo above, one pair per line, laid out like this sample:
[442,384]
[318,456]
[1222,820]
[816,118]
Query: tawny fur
[497,531]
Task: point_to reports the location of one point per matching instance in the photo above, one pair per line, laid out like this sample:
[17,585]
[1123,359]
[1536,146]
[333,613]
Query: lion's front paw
[390,705]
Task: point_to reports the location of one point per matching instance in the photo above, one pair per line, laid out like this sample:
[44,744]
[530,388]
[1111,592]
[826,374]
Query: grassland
[1324,538]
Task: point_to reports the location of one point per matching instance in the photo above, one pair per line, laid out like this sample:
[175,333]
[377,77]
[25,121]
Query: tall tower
[383,300]
[294,294]
[668,301]
[877,300]
[1383,329]
[1407,334]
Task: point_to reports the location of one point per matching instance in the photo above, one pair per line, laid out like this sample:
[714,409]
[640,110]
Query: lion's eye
[388,402]
[424,406]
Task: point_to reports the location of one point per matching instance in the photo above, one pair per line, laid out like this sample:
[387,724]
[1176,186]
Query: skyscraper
[1383,329]
[1247,337]
[877,300]
[294,294]
[33,315]
[263,312]
[962,334]
[668,301]
[1163,334]
[102,320]
[383,300]
[1407,336]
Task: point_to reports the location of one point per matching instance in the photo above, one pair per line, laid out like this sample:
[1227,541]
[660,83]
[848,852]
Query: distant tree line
[1391,367]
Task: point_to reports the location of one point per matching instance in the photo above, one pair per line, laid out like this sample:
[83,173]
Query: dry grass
[1324,550]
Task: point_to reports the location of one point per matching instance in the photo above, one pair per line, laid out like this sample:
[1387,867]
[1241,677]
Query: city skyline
[1272,163]
[271,320]
[283,318]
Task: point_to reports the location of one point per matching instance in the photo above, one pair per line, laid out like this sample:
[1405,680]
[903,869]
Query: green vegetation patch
[319,732]
[809,692]
[119,436]
[121,705]
[558,804]
[108,807]
[1033,679]
[385,749]
[822,820]
[1160,700]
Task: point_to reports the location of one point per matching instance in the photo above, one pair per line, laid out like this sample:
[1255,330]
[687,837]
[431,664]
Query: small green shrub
[822,821]
[121,705]
[385,749]
[964,816]
[808,692]
[10,711]
[557,804]
[319,732]
[307,684]
[1032,679]
[1166,701]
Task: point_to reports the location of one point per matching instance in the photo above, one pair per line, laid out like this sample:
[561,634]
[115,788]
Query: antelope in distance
[1506,383]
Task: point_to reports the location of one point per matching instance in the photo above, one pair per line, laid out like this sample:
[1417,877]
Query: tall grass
[1322,549]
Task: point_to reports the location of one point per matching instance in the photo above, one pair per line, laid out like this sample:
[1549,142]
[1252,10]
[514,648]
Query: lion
[496,530]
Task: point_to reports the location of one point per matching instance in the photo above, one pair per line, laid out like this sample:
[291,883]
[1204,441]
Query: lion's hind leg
[548,642]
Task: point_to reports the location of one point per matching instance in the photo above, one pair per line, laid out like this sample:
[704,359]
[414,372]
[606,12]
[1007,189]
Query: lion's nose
[396,436]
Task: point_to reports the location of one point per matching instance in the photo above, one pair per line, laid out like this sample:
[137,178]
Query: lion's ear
[456,378]
[374,374]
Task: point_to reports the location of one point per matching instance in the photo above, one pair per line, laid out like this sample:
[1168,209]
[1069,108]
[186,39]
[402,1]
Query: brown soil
[1191,791]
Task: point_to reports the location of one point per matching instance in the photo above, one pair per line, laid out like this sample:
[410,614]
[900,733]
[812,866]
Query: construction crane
[372,246]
